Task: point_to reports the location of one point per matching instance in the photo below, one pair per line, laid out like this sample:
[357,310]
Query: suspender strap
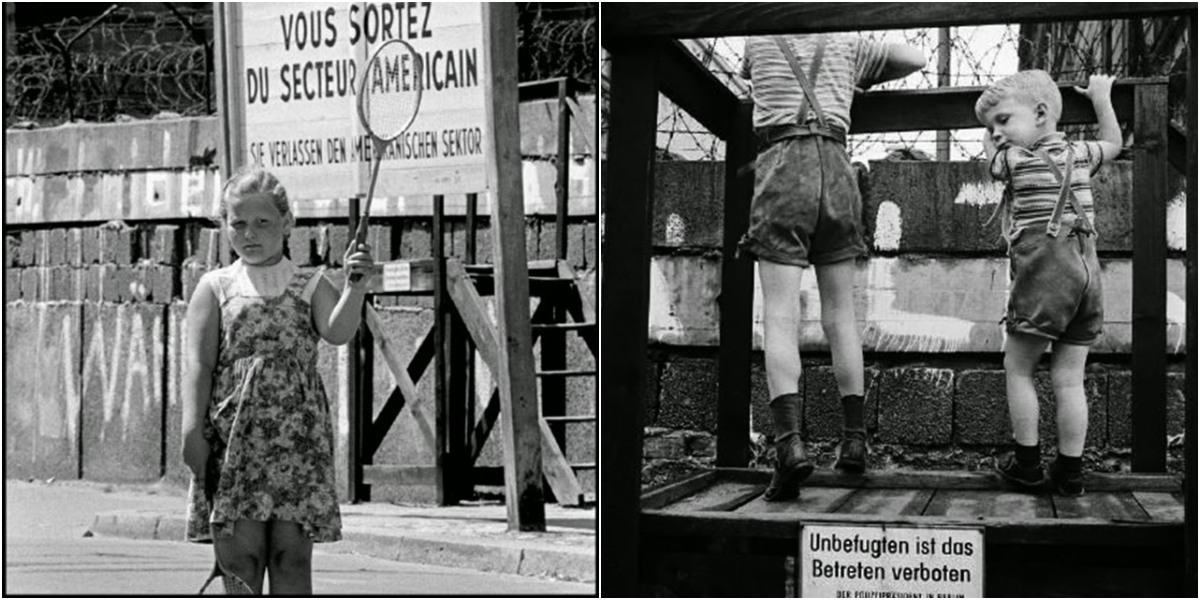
[1064,193]
[806,82]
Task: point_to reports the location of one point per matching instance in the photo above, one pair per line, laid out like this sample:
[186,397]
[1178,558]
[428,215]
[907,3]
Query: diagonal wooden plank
[579,307]
[720,496]
[886,502]
[811,500]
[1161,506]
[980,503]
[471,308]
[483,428]
[1099,505]
[557,470]
[400,377]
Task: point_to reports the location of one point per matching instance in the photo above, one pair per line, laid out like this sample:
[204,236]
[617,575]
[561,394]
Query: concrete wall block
[122,391]
[118,245]
[415,239]
[56,247]
[701,445]
[300,246]
[176,343]
[823,402]
[110,283]
[41,390]
[915,405]
[87,282]
[689,395]
[30,248]
[75,246]
[380,238]
[165,243]
[1119,411]
[665,444]
[547,240]
[89,240]
[62,283]
[483,242]
[981,408]
[208,246]
[339,240]
[12,251]
[31,284]
[12,285]
[688,197]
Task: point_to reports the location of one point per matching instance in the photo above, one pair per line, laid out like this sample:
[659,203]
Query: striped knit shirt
[849,61]
[1034,187]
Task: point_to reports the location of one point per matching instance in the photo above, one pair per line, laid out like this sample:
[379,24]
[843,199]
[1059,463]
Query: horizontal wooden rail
[713,19]
[954,107]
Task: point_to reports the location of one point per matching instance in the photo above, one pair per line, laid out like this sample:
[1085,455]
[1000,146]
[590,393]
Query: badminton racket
[389,96]
[231,584]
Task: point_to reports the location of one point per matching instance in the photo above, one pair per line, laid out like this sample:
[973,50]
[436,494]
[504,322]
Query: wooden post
[1189,423]
[943,76]
[625,304]
[736,300]
[563,165]
[516,379]
[441,334]
[358,418]
[466,462]
[1149,279]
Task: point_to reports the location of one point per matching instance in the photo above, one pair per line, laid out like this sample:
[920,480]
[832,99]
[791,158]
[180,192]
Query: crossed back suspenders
[1064,192]
[806,82]
[1064,195]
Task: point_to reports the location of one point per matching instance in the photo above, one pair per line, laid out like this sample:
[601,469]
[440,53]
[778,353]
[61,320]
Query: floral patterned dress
[268,418]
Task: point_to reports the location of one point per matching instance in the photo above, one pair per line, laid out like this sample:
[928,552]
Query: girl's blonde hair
[1033,86]
[254,181]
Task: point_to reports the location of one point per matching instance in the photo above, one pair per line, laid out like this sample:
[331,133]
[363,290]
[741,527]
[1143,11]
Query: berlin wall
[106,235]
[929,300]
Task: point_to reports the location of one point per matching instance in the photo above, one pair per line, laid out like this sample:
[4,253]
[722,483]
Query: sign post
[883,561]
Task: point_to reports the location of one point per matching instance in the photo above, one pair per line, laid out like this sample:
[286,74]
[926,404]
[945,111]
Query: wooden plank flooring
[939,496]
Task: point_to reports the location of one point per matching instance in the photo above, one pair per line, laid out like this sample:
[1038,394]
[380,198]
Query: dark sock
[852,412]
[785,415]
[1028,456]
[1069,464]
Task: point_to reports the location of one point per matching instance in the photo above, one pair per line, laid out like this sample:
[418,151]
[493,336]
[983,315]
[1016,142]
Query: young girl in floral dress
[257,431]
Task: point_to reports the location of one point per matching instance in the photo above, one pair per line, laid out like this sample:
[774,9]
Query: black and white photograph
[898,299]
[300,299]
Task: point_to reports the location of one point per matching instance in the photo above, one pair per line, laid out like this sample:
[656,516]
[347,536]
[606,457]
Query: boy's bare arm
[902,59]
[1099,91]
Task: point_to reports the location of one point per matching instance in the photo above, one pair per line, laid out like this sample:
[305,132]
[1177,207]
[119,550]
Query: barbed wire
[978,56]
[132,63]
[136,63]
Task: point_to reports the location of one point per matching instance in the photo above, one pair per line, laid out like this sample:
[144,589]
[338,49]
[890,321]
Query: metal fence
[138,62]
[976,56]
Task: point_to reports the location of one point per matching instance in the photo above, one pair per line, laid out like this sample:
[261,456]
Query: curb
[512,557]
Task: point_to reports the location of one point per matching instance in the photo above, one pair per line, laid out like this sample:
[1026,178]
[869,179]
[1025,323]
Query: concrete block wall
[96,286]
[929,299]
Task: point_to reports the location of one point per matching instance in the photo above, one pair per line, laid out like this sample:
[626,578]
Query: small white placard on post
[885,561]
[397,277]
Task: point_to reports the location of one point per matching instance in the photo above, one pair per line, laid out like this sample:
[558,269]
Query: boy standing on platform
[1054,294]
[807,211]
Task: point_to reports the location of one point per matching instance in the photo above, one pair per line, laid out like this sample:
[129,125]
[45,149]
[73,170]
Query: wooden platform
[714,534]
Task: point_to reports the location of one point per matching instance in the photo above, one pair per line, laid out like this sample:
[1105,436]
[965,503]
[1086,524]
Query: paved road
[46,552]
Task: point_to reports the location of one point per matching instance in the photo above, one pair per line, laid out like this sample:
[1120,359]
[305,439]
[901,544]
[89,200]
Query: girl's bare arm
[200,358]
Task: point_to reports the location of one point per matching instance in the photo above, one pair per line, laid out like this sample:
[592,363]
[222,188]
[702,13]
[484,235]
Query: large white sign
[883,561]
[294,77]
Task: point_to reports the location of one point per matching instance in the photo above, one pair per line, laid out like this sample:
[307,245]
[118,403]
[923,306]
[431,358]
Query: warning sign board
[292,73]
[885,561]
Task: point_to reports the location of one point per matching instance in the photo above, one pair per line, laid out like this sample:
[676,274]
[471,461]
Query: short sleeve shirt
[1034,186]
[849,61]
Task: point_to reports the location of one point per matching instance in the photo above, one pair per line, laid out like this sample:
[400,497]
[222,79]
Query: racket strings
[391,90]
